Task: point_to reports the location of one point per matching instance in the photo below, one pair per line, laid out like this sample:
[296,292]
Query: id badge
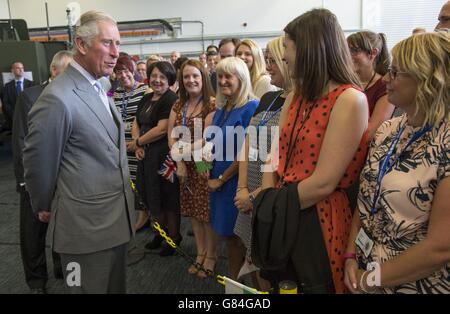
[128,126]
[207,151]
[364,242]
[252,154]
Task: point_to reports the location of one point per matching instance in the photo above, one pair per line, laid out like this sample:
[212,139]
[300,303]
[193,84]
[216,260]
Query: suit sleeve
[50,125]
[20,129]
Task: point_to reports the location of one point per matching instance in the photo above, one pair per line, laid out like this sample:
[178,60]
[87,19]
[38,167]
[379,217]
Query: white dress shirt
[95,83]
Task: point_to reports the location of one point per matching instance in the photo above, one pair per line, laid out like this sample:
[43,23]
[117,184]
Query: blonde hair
[426,58]
[276,48]
[235,66]
[87,28]
[258,68]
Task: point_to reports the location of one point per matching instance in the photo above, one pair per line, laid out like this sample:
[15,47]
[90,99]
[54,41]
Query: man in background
[33,231]
[174,55]
[444,17]
[11,90]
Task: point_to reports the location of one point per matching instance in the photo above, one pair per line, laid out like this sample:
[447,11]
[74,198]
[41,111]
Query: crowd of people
[321,159]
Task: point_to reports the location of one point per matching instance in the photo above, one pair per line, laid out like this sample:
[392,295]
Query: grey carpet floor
[153,274]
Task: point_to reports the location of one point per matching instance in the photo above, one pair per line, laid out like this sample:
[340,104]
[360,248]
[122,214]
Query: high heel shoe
[193,269]
[208,271]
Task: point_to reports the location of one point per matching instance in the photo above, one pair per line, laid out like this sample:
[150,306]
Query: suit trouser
[98,272]
[32,245]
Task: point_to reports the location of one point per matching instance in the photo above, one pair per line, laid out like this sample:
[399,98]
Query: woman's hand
[242,201]
[131,146]
[181,172]
[140,153]
[214,184]
[352,276]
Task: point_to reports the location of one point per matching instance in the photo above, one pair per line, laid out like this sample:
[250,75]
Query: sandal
[208,271]
[194,268]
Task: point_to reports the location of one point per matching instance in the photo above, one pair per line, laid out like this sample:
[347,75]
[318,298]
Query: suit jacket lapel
[118,121]
[89,96]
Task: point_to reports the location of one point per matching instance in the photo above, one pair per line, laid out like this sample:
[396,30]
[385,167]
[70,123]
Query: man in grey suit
[75,162]
[33,231]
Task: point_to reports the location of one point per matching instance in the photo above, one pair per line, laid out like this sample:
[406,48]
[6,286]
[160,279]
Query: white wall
[220,18]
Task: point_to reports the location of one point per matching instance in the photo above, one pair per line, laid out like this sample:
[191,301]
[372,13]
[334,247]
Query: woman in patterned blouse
[401,231]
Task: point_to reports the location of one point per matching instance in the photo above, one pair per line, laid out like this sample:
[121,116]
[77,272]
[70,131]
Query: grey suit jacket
[75,164]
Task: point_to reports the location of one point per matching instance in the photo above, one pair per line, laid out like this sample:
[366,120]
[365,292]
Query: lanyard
[225,115]
[292,142]
[185,108]
[264,120]
[386,164]
[125,103]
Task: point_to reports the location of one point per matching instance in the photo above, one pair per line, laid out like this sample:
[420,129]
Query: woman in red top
[323,127]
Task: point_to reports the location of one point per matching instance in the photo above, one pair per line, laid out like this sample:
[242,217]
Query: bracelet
[347,256]
[241,188]
[361,286]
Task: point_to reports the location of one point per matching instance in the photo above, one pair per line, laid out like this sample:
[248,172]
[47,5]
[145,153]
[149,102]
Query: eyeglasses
[393,73]
[270,62]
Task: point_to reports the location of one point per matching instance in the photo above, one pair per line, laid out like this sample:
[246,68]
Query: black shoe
[38,291]
[155,243]
[167,250]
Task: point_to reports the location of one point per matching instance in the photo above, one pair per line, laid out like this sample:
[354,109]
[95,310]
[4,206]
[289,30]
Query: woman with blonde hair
[251,53]
[401,226]
[235,106]
[265,118]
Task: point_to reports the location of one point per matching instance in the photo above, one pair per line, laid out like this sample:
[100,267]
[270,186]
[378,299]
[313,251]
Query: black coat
[24,103]
[285,236]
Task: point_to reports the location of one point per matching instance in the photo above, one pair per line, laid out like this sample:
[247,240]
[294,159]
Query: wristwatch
[220,178]
[251,197]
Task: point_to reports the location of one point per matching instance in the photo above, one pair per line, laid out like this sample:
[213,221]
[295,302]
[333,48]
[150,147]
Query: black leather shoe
[167,250]
[58,273]
[38,291]
[155,243]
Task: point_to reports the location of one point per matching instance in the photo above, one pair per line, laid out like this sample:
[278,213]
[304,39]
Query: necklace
[370,81]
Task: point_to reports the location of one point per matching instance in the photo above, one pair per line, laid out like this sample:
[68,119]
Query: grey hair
[87,28]
[58,58]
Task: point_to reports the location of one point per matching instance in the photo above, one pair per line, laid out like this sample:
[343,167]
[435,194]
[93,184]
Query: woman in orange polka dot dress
[323,127]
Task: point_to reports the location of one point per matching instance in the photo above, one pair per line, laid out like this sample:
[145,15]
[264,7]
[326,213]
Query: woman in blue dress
[235,105]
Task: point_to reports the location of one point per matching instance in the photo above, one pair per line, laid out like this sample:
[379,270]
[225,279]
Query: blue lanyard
[224,116]
[125,103]
[386,164]
[264,120]
[185,108]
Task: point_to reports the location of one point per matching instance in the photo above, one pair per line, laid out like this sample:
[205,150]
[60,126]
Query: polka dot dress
[334,212]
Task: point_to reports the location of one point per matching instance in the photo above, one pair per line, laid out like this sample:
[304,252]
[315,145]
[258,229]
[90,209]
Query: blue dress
[223,212]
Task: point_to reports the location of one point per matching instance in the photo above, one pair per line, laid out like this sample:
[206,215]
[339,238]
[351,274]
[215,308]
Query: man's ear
[81,45]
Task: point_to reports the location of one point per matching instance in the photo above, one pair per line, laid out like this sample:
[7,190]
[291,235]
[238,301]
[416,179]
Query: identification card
[128,126]
[364,242]
[252,154]
[208,151]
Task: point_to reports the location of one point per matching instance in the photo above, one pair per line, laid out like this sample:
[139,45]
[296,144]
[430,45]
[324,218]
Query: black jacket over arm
[283,234]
